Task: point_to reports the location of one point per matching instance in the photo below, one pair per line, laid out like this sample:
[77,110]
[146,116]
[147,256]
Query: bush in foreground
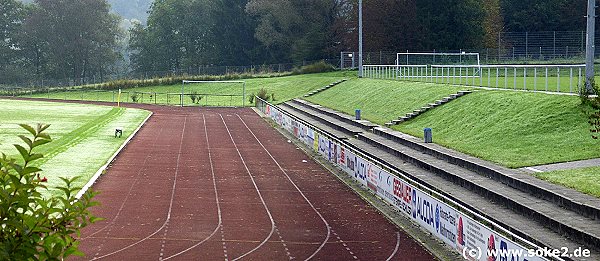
[33,227]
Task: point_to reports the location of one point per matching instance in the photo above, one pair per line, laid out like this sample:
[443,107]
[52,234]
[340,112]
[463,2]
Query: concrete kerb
[433,245]
[100,171]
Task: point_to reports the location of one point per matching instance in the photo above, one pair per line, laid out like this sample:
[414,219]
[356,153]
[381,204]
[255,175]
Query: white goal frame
[433,65]
[242,82]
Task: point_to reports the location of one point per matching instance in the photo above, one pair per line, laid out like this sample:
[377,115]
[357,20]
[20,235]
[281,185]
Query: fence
[511,47]
[553,78]
[408,196]
[158,98]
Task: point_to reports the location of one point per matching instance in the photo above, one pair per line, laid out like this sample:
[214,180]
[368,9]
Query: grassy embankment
[513,129]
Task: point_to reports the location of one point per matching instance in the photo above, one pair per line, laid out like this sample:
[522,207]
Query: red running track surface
[221,184]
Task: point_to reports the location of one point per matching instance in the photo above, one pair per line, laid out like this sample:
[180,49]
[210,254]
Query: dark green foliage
[135,97]
[263,94]
[251,98]
[318,67]
[33,227]
[591,105]
[195,97]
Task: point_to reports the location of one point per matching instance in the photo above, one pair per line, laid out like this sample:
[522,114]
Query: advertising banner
[470,238]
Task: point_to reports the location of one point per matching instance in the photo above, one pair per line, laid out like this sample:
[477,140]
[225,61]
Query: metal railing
[157,98]
[549,78]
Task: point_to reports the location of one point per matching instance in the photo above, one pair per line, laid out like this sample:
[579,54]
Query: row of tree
[81,38]
[57,39]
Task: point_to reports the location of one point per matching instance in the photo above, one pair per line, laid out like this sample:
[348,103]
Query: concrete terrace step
[366,125]
[545,212]
[465,169]
[583,204]
[324,88]
[331,131]
[517,223]
[326,119]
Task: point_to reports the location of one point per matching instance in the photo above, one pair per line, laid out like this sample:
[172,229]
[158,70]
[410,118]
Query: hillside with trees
[81,38]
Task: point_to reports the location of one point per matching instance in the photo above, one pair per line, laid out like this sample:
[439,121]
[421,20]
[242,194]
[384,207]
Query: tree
[12,14]
[295,30]
[79,36]
[451,24]
[34,227]
[234,34]
[544,15]
[178,36]
[493,23]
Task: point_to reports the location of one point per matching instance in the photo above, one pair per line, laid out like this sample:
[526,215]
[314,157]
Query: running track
[221,184]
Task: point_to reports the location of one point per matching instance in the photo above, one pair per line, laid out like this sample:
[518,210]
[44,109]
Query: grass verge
[586,180]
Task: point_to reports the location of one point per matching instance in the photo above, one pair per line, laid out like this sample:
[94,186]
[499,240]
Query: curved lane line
[397,247]
[170,203]
[129,192]
[259,194]
[297,188]
[212,170]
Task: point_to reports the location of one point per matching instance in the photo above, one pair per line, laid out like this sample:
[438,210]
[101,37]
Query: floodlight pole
[590,46]
[360,40]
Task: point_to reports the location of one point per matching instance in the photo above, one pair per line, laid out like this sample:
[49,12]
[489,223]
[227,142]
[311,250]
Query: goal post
[455,61]
[213,93]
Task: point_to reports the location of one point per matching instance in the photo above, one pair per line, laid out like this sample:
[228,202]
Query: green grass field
[382,100]
[586,180]
[512,129]
[213,94]
[82,135]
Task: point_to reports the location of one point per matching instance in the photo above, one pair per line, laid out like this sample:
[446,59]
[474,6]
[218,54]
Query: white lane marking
[137,179]
[297,188]
[170,203]
[259,194]
[219,226]
[397,247]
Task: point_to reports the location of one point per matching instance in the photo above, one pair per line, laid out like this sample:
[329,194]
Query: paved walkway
[563,166]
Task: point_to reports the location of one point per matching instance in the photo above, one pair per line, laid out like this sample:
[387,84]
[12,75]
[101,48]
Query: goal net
[211,93]
[467,63]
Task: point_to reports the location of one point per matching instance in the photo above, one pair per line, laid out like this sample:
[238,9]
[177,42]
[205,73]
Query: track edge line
[100,171]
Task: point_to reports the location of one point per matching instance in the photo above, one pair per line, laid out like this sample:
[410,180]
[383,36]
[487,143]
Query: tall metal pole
[590,46]
[360,40]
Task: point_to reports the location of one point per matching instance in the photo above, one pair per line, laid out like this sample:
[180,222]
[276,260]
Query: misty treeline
[82,38]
